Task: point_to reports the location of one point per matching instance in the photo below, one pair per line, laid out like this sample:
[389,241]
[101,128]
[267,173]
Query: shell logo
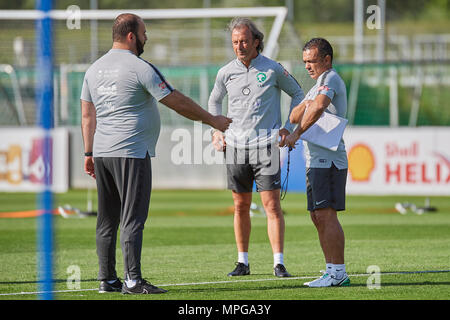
[361,162]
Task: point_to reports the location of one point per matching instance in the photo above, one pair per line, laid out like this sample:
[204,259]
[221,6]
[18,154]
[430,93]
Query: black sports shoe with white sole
[240,270]
[280,271]
[142,287]
[116,286]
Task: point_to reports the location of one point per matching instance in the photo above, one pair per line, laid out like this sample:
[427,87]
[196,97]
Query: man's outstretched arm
[186,107]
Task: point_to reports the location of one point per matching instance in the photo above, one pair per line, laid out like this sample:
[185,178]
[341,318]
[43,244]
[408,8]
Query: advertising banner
[408,161]
[21,160]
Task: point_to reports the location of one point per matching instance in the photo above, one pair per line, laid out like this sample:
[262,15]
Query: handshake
[220,122]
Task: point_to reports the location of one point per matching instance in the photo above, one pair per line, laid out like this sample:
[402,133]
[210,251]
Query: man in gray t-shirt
[331,85]
[254,93]
[125,89]
[253,84]
[326,170]
[120,127]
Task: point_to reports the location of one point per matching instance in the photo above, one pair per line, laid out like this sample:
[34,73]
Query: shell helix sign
[22,165]
[398,160]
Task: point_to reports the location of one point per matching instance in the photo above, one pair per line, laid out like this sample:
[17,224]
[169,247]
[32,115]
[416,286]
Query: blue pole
[44,101]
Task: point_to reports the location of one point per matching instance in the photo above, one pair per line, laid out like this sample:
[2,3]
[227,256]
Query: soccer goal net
[188,45]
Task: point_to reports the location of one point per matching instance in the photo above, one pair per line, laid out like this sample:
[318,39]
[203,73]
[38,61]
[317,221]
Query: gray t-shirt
[330,84]
[124,90]
[253,100]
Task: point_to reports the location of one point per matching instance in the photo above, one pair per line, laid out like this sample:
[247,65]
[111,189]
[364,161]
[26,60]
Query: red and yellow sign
[398,160]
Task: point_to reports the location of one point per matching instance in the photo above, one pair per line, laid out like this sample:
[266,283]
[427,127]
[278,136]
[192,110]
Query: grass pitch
[189,248]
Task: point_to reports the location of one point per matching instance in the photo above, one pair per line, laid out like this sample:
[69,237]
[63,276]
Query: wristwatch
[88,154]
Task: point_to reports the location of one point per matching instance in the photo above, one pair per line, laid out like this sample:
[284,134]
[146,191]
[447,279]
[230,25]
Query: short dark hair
[240,22]
[322,45]
[124,24]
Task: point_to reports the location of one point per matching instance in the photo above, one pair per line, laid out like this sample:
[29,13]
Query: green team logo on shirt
[261,77]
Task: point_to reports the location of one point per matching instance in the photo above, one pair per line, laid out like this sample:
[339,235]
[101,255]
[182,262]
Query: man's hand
[221,122]
[218,141]
[291,139]
[283,134]
[89,166]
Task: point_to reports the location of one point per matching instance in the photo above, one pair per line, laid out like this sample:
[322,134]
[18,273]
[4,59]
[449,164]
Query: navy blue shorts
[325,188]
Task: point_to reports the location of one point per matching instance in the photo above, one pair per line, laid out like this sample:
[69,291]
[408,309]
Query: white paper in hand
[326,132]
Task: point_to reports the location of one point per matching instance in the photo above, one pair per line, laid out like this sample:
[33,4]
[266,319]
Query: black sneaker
[142,287]
[240,270]
[116,286]
[280,271]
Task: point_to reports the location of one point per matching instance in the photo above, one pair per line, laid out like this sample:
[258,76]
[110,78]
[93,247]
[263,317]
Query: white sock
[130,283]
[278,259]
[243,258]
[329,268]
[339,270]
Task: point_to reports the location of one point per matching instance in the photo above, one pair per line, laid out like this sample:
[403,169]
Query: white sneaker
[326,280]
[343,282]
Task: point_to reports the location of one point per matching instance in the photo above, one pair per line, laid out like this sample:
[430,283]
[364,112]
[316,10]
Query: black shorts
[325,188]
[261,166]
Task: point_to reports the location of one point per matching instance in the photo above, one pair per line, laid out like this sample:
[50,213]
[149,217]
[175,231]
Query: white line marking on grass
[41,292]
[232,281]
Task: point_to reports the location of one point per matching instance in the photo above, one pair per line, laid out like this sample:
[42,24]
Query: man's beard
[139,47]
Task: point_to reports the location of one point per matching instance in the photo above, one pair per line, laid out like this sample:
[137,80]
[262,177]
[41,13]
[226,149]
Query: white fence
[398,47]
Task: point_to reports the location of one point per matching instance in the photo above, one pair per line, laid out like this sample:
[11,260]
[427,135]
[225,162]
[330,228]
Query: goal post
[44,102]
[279,13]
[46,65]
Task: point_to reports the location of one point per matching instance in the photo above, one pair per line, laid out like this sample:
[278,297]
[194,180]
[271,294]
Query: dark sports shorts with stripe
[245,166]
[325,188]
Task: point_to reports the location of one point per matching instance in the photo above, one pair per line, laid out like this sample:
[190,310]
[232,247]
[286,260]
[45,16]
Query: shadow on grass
[296,286]
[238,285]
